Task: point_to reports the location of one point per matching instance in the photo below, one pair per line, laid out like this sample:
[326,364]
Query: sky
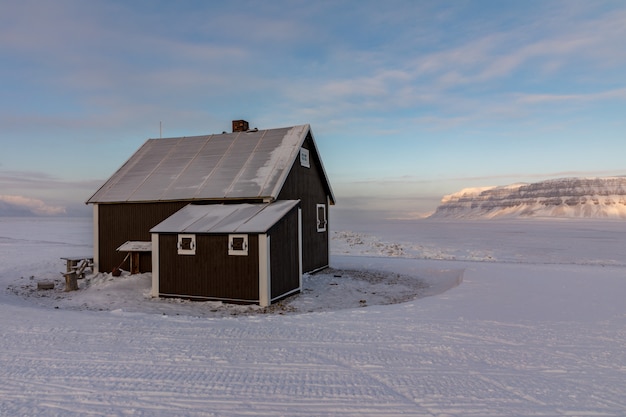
[408,100]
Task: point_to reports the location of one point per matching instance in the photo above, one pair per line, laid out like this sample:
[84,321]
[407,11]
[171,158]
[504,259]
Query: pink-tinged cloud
[617,94]
[35,206]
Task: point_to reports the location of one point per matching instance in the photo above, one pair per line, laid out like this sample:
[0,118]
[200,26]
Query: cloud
[128,67]
[540,52]
[11,205]
[549,45]
[351,208]
[35,180]
[619,94]
[34,193]
[514,177]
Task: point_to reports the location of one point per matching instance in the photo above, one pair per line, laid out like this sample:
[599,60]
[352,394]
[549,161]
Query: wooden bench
[75,268]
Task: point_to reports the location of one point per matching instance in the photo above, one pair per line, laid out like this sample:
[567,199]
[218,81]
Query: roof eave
[331,194]
[258,199]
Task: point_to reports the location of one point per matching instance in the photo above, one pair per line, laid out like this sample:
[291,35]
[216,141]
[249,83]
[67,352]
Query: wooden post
[71,281]
[155,265]
[265,273]
[134,263]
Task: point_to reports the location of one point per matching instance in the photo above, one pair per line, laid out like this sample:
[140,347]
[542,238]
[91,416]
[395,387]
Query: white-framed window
[186,244]
[304,158]
[238,245]
[321,217]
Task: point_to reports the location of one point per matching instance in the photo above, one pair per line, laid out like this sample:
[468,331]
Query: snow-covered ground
[537,327]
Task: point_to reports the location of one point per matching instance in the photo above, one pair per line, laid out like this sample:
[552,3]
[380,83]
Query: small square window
[321,218]
[186,244]
[238,245]
[304,158]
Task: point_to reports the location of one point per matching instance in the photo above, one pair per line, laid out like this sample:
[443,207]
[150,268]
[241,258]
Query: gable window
[304,158]
[238,245]
[186,244]
[321,218]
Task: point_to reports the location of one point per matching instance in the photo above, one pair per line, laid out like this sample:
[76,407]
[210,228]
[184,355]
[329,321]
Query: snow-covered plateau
[420,318]
[565,197]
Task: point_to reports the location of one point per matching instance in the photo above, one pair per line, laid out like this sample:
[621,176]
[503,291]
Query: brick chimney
[240,126]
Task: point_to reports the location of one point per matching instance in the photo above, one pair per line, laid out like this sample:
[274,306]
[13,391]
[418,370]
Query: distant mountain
[565,197]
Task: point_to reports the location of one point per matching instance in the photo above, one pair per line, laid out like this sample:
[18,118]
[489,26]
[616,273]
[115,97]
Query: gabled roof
[239,165]
[226,218]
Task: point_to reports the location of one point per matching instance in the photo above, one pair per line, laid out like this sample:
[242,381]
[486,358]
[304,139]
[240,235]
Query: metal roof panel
[239,165]
[226,218]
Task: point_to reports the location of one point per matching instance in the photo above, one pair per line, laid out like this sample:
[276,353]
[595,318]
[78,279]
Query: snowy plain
[419,318]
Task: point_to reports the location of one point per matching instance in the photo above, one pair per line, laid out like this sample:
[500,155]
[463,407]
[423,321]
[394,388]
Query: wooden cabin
[166,179]
[241,253]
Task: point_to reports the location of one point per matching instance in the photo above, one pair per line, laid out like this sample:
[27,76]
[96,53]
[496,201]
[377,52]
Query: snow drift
[565,197]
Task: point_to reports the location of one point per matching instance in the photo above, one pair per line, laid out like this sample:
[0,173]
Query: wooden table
[134,248]
[75,268]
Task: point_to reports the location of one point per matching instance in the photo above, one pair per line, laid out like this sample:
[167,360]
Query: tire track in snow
[369,375]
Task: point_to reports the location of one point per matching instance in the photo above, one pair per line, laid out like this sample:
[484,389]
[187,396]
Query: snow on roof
[135,246]
[252,164]
[226,218]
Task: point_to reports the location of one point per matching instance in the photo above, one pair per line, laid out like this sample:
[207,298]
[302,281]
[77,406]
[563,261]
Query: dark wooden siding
[145,261]
[284,253]
[306,184]
[211,273]
[119,223]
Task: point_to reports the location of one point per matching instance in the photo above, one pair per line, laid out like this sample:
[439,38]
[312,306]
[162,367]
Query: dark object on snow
[117,271]
[45,285]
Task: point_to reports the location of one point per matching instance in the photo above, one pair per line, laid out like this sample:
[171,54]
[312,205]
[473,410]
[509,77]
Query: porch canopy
[226,218]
